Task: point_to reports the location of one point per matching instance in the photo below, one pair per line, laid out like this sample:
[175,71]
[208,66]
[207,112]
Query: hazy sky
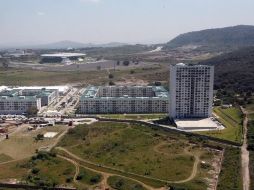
[102,21]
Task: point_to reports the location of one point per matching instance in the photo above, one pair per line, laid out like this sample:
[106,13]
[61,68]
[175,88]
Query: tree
[132,72]
[118,62]
[5,63]
[35,170]
[39,137]
[157,83]
[126,63]
[111,83]
[32,111]
[98,67]
[110,76]
[217,103]
[95,179]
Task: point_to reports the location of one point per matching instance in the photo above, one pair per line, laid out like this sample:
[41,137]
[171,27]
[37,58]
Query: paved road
[245,154]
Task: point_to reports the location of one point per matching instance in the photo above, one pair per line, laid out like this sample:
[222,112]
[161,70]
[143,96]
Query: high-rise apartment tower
[191,91]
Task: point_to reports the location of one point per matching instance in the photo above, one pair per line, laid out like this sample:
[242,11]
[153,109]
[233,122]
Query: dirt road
[105,174]
[245,154]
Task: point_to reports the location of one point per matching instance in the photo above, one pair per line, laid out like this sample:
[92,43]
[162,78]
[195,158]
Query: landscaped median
[232,120]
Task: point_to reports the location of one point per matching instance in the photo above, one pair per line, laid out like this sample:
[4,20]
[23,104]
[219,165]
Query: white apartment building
[124,99]
[19,100]
[18,104]
[191,91]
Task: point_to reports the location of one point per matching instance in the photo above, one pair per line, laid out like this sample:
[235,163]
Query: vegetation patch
[48,170]
[134,116]
[129,148]
[121,183]
[250,137]
[251,165]
[13,170]
[230,176]
[5,158]
[135,151]
[88,177]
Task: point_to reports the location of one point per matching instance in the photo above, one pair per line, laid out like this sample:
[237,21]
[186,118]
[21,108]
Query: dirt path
[16,160]
[76,167]
[106,175]
[195,165]
[245,153]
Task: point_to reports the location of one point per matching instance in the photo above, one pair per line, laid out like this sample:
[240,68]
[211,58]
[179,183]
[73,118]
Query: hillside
[235,70]
[215,39]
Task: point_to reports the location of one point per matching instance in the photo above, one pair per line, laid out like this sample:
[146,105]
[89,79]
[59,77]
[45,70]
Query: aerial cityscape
[127,95]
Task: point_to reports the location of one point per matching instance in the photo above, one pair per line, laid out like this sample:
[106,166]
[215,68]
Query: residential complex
[18,101]
[191,91]
[124,99]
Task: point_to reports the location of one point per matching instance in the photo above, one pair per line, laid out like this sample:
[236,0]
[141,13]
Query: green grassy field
[250,137]
[47,170]
[88,177]
[136,149]
[131,151]
[19,77]
[120,183]
[35,77]
[231,118]
[230,176]
[108,144]
[134,116]
[251,116]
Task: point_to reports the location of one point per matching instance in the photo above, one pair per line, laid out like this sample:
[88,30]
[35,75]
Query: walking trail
[106,175]
[245,153]
[195,165]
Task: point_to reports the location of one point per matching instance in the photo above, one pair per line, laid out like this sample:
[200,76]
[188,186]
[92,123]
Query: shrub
[110,76]
[95,179]
[68,180]
[126,63]
[35,170]
[111,83]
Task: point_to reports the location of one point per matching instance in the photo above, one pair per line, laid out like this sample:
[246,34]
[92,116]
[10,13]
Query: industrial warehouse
[124,99]
[64,58]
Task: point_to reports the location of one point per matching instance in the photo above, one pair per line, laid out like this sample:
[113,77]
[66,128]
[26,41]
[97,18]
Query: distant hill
[64,45]
[219,38]
[235,70]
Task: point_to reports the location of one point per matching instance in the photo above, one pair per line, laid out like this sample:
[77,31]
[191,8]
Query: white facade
[19,100]
[19,104]
[191,91]
[124,99]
